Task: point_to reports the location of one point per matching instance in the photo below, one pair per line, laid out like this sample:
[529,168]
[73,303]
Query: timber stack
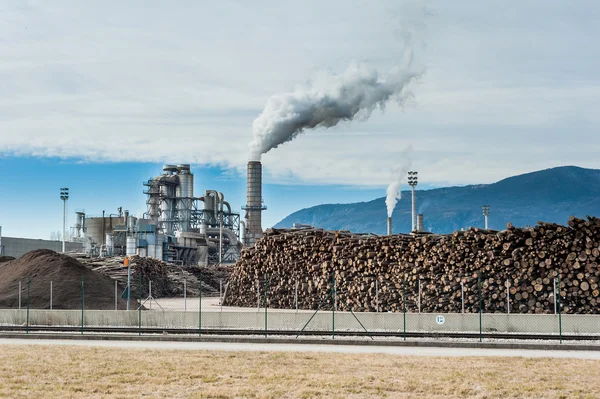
[517,267]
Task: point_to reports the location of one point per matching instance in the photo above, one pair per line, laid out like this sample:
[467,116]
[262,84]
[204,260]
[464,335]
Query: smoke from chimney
[394,193]
[332,98]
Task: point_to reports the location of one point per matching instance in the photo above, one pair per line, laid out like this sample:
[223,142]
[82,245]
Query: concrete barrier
[321,321]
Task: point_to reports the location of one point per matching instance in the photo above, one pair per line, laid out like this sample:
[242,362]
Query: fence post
[420,295]
[332,305]
[266,303]
[480,307]
[116,295]
[50,294]
[258,295]
[184,296]
[554,284]
[559,312]
[200,308]
[377,294]
[462,295]
[140,307]
[28,299]
[19,294]
[82,302]
[404,303]
[508,296]
[296,296]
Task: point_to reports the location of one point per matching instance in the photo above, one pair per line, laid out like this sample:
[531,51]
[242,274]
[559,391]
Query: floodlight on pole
[486,214]
[412,182]
[64,196]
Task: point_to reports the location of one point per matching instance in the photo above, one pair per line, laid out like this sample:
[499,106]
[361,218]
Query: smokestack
[254,205]
[420,223]
[389,226]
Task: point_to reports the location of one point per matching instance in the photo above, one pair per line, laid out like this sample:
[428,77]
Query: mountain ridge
[551,195]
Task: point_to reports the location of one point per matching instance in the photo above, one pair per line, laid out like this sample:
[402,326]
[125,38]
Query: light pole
[412,182]
[64,196]
[486,214]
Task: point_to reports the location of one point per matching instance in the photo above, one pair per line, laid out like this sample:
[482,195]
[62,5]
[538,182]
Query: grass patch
[82,372]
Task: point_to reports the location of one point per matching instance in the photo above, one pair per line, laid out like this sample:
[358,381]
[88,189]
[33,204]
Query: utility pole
[486,214]
[412,182]
[64,196]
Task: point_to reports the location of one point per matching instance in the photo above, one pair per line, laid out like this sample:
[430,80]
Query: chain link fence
[371,306]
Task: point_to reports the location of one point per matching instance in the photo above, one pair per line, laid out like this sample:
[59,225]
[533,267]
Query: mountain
[550,195]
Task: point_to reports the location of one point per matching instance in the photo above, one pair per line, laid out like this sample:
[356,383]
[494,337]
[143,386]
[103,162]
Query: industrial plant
[178,227]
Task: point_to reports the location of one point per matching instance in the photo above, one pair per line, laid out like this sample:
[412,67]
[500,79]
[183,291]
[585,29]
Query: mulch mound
[66,274]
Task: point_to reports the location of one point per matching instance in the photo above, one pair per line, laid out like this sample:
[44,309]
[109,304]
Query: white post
[258,295]
[64,225]
[50,294]
[419,295]
[555,309]
[149,293]
[413,209]
[116,295]
[19,295]
[184,296]
[377,294]
[462,295]
[507,296]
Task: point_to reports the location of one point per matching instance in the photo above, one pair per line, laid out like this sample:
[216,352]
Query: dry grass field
[83,372]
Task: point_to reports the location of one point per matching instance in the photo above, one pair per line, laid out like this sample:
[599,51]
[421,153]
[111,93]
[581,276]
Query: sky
[97,95]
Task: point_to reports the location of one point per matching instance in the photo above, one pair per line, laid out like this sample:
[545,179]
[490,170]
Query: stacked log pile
[431,273]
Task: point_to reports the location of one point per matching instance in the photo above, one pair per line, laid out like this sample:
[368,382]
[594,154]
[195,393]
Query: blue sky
[97,95]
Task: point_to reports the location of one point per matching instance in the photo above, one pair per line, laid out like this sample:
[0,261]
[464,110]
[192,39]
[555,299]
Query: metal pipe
[555,307]
[116,294]
[377,294]
[184,296]
[19,294]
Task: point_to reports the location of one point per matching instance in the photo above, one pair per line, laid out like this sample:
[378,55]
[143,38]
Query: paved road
[234,347]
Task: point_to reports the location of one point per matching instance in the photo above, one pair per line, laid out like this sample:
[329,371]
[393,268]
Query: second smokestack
[389,226]
[420,223]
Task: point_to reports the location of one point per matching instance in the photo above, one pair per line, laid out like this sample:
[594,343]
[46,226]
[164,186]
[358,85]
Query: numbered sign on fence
[440,320]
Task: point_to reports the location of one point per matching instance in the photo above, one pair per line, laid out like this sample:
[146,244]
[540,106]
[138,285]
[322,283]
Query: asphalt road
[261,347]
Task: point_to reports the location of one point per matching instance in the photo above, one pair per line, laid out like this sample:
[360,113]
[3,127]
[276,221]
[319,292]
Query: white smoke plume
[394,192]
[325,102]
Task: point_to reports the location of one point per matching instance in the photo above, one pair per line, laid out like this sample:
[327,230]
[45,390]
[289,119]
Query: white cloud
[508,89]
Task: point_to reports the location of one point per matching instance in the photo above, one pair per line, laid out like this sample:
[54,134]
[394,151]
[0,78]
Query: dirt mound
[66,273]
[6,259]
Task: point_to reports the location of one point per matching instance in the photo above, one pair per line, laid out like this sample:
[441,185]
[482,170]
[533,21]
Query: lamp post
[486,214]
[64,196]
[412,182]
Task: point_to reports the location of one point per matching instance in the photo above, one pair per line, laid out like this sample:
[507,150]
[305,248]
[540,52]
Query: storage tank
[131,246]
[109,244]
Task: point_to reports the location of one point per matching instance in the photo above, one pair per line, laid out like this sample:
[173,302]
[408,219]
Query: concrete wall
[19,246]
[322,321]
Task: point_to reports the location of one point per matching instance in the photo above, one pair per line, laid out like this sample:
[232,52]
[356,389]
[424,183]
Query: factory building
[177,226]
[16,247]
